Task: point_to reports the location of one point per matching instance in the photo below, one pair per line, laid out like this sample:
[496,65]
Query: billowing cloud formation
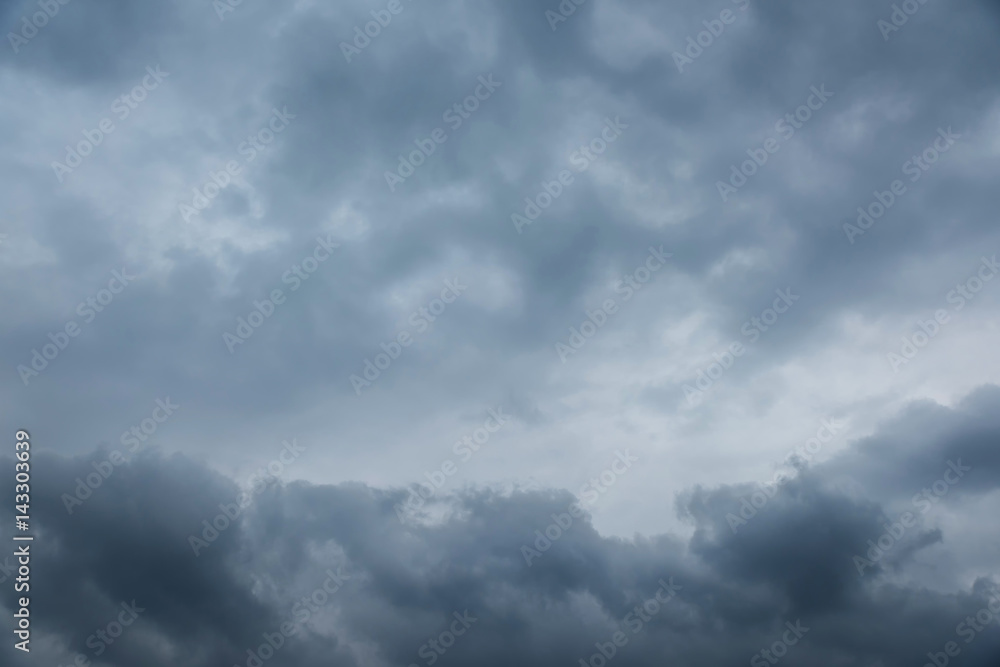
[468,571]
[287,142]
[667,242]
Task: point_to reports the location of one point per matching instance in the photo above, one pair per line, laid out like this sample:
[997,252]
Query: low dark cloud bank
[391,587]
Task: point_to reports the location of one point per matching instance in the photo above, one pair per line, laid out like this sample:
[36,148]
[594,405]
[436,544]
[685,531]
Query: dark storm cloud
[884,463]
[403,582]
[354,119]
[324,177]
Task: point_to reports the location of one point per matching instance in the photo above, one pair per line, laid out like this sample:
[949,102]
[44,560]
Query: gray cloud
[324,177]
[402,582]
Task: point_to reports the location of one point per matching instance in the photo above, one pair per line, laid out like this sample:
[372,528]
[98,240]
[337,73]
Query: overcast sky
[627,254]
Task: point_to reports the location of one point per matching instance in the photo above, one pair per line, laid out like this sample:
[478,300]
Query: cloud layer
[534,584]
[720,274]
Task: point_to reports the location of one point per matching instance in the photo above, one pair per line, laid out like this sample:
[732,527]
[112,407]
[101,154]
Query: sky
[527,312]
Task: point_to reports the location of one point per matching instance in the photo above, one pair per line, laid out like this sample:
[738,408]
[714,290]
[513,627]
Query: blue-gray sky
[630,229]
